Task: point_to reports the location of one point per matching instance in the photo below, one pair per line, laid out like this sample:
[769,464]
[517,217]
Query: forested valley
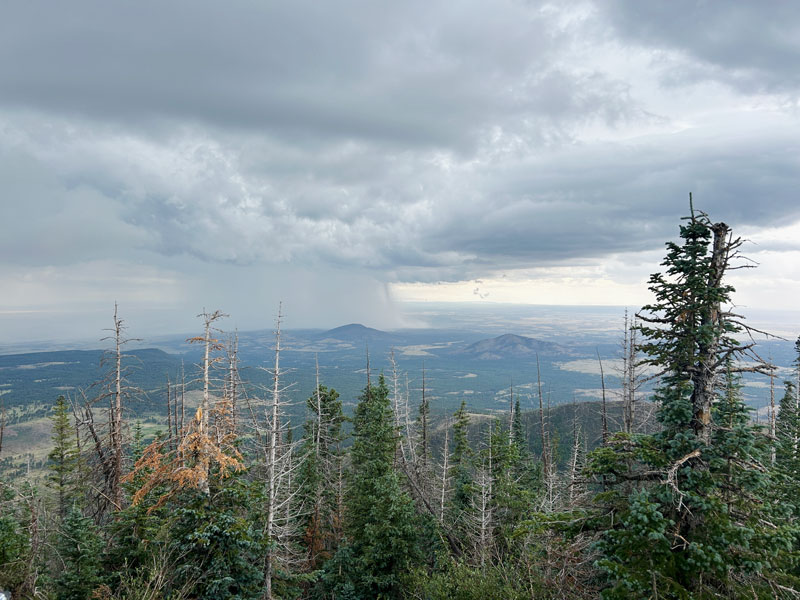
[233,500]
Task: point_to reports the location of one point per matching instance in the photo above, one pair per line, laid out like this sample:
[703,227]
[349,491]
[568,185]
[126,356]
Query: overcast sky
[348,156]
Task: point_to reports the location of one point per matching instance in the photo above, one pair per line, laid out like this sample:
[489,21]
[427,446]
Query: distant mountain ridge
[510,345]
[355,332]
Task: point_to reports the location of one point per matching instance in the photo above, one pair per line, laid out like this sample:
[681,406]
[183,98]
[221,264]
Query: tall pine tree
[63,458]
[320,486]
[698,522]
[381,523]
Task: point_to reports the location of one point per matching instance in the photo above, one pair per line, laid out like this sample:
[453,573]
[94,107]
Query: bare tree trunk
[704,377]
[552,479]
[396,405]
[511,415]
[233,378]
[318,434]
[485,481]
[209,344]
[772,414]
[605,412]
[444,472]
[339,492]
[633,379]
[116,413]
[545,445]
[175,429]
[206,372]
[105,462]
[183,398]
[424,423]
[627,419]
[409,435]
[2,422]
[271,470]
[796,396]
[573,463]
[171,439]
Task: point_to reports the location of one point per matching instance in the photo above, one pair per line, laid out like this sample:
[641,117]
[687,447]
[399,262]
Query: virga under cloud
[285,150]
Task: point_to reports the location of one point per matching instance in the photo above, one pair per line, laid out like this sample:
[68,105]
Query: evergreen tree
[137,532]
[320,488]
[460,459]
[15,547]
[511,501]
[787,431]
[786,469]
[787,447]
[218,541]
[698,521]
[200,485]
[517,428]
[380,520]
[63,458]
[80,548]
[514,484]
[423,421]
[527,470]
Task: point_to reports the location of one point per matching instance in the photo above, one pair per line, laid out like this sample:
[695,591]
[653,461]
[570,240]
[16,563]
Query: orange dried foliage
[190,464]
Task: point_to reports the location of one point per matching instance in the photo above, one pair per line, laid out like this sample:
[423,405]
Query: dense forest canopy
[229,500]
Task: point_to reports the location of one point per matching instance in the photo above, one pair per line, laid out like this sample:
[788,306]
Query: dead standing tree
[206,444]
[549,472]
[604,434]
[188,465]
[482,517]
[274,441]
[116,411]
[631,375]
[176,409]
[232,380]
[107,439]
[402,420]
[2,422]
[211,345]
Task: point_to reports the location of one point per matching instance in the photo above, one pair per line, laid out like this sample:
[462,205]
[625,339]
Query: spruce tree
[512,502]
[218,541]
[518,429]
[319,474]
[15,542]
[787,446]
[787,431]
[423,421]
[381,524]
[689,511]
[786,469]
[460,461]
[80,549]
[63,458]
[137,532]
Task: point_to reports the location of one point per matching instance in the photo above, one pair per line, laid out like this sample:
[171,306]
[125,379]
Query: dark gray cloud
[408,73]
[751,45]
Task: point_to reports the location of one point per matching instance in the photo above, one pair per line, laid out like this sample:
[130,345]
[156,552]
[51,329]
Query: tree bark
[703,371]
